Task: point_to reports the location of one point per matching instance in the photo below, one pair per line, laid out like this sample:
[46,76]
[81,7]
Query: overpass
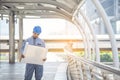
[75,68]
[57,44]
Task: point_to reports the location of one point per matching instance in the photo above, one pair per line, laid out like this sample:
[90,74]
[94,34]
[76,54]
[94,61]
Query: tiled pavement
[16,71]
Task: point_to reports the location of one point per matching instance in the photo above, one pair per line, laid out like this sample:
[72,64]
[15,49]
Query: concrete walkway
[16,71]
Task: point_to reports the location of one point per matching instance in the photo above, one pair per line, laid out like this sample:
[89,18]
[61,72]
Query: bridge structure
[72,67]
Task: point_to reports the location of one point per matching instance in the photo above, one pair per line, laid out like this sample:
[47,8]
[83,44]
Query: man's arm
[43,45]
[22,49]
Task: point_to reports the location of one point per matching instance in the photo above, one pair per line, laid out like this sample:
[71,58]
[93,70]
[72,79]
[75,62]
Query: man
[30,68]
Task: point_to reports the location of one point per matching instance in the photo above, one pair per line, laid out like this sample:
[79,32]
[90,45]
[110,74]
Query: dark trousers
[30,68]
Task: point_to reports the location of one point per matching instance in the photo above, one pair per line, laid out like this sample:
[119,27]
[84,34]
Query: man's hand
[22,56]
[44,59]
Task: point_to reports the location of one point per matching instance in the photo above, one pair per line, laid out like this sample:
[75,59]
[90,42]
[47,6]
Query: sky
[49,27]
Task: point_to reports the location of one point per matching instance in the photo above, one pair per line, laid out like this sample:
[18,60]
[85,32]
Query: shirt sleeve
[44,44]
[23,46]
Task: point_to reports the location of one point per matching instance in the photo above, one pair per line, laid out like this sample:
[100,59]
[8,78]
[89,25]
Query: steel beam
[52,2]
[87,43]
[20,35]
[11,38]
[60,12]
[43,15]
[77,9]
[110,32]
[43,8]
[83,36]
[97,51]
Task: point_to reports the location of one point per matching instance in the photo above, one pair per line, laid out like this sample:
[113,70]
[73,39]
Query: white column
[20,35]
[97,51]
[11,38]
[110,32]
[86,37]
[116,7]
[83,36]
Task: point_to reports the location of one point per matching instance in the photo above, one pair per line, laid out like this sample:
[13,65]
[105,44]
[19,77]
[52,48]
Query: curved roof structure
[67,9]
[42,8]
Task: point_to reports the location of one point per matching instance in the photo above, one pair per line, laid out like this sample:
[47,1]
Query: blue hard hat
[37,29]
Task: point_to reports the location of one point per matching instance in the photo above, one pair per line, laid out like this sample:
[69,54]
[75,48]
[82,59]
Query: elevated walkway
[55,68]
[66,66]
[16,71]
[75,11]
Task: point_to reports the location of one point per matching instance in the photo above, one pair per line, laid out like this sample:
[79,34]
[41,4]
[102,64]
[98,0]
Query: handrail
[99,65]
[102,66]
[92,67]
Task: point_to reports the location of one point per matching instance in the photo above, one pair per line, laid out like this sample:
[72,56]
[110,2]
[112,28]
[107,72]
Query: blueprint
[34,54]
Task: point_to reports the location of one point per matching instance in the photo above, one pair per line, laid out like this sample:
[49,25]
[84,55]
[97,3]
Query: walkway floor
[16,71]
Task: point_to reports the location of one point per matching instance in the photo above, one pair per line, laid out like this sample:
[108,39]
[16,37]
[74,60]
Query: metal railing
[83,69]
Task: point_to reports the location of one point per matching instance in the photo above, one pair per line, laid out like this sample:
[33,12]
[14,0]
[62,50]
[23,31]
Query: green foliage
[106,58]
[80,54]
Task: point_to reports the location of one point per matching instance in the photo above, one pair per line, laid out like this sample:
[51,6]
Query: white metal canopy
[66,9]
[51,8]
